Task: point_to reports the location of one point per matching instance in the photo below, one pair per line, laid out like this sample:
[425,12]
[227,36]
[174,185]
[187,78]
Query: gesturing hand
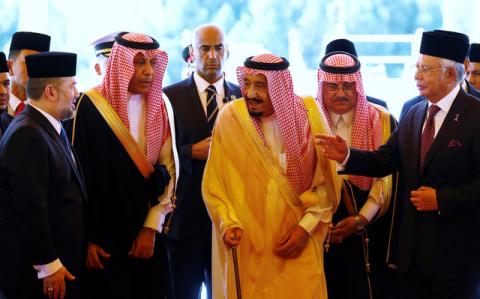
[333,147]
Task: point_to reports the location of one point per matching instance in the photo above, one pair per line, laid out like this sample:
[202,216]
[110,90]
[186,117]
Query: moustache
[256,100]
[341,99]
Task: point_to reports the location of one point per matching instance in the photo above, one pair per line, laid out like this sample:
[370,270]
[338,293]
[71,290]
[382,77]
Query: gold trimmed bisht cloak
[244,186]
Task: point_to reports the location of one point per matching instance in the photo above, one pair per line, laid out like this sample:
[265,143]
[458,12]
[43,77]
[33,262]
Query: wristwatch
[359,226]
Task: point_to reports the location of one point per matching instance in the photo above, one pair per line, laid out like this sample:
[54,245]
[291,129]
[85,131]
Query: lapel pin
[456,117]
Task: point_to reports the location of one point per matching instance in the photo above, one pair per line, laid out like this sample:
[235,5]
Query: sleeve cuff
[48,269]
[341,167]
[156,217]
[309,222]
[369,210]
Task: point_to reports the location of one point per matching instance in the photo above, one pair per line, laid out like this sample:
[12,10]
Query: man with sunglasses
[355,262]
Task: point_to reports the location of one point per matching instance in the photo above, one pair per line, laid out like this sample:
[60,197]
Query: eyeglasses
[425,69]
[334,88]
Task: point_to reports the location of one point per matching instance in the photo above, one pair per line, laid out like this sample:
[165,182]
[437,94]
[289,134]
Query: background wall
[386,33]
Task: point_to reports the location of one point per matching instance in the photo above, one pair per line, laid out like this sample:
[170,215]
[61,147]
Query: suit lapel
[455,117]
[418,120]
[47,126]
[229,96]
[67,155]
[472,90]
[78,173]
[198,111]
[5,120]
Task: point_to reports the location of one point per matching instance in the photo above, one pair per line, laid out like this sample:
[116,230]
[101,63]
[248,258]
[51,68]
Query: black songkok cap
[453,33]
[442,45]
[51,64]
[23,40]
[343,45]
[278,66]
[474,53]
[3,63]
[136,45]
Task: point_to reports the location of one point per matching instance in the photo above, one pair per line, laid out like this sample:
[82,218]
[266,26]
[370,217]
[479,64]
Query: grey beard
[66,114]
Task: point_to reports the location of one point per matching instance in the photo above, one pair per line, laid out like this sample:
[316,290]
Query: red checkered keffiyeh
[367,127]
[292,119]
[114,88]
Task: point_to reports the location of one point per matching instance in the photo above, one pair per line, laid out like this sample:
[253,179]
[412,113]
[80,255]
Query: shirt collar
[347,118]
[14,101]
[269,118]
[134,97]
[465,86]
[202,84]
[446,102]
[55,123]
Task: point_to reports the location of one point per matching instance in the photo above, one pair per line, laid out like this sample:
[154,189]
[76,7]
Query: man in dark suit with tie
[437,150]
[196,101]
[42,195]
[465,84]
[4,94]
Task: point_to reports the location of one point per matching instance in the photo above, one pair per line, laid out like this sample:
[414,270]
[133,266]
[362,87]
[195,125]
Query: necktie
[20,108]
[212,108]
[428,133]
[66,143]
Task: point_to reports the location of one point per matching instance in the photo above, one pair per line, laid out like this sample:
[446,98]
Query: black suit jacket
[41,203]
[408,104]
[5,120]
[445,243]
[190,216]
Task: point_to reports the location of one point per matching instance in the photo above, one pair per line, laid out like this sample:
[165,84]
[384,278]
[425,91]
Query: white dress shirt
[202,91]
[13,103]
[137,115]
[342,126]
[274,139]
[444,104]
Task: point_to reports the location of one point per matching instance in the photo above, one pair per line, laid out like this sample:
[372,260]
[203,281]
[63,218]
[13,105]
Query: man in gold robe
[267,190]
